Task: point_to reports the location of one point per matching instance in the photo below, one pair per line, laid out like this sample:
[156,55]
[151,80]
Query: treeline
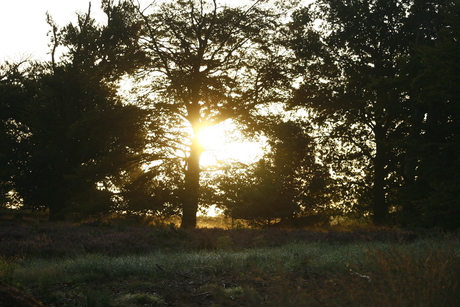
[358,102]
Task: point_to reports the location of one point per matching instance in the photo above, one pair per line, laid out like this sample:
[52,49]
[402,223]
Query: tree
[208,63]
[11,131]
[286,183]
[81,138]
[353,79]
[430,193]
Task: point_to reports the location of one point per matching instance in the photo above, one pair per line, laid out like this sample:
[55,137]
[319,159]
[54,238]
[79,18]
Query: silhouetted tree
[430,193]
[287,182]
[11,131]
[81,138]
[353,59]
[208,63]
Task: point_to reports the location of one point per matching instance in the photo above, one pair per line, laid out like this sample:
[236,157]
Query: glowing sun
[223,142]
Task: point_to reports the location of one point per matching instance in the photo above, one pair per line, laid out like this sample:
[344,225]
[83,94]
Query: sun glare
[223,142]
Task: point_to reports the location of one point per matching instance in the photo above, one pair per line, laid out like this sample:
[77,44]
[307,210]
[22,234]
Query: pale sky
[23,27]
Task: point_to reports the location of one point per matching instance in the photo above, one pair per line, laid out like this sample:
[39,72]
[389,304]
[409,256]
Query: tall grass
[427,274]
[240,268]
[317,256]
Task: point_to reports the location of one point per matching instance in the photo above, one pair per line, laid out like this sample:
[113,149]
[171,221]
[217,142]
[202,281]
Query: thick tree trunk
[379,202]
[192,171]
[192,187]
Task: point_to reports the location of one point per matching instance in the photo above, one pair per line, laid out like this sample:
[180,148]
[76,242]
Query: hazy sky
[23,27]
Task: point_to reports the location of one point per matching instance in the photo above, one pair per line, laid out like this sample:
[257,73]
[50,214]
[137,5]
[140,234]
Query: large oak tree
[208,63]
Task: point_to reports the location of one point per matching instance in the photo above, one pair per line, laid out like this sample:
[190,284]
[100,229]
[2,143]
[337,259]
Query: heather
[47,240]
[116,263]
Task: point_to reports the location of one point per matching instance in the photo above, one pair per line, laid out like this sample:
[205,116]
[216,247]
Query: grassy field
[107,264]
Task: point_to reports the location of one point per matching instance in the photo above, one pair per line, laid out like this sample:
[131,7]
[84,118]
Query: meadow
[117,263]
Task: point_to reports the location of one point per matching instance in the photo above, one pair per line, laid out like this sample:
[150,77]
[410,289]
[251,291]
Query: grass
[270,260]
[383,274]
[215,267]
[425,275]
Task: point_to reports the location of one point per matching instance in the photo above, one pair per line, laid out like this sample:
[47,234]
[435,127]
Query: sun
[223,143]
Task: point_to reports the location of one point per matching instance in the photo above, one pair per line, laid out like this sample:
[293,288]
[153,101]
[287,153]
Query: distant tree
[288,182]
[154,191]
[81,138]
[208,63]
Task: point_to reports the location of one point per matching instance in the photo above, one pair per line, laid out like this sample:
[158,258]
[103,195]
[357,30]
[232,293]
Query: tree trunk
[412,156]
[379,202]
[192,186]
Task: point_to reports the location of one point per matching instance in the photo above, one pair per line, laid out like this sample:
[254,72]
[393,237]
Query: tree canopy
[70,131]
[208,63]
[360,75]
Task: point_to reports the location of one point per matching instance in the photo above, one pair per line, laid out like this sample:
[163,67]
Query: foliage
[73,136]
[363,81]
[11,95]
[208,63]
[286,182]
[430,194]
[359,58]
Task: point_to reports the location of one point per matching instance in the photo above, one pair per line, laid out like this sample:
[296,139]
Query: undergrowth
[367,274]
[104,265]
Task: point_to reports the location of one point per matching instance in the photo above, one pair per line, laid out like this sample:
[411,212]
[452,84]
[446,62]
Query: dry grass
[422,273]
[103,265]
